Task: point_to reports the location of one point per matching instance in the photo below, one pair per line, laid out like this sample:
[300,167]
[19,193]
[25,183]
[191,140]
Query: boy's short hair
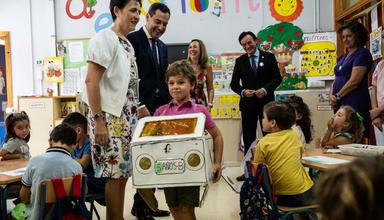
[76,119]
[182,68]
[283,113]
[63,133]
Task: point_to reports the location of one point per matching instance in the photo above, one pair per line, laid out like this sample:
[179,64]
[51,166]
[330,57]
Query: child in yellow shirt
[281,150]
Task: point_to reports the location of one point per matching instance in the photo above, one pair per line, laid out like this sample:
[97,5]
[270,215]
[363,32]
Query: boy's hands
[143,112]
[216,172]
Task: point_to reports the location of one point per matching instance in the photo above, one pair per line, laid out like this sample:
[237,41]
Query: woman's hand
[378,122]
[101,132]
[375,112]
[332,100]
[216,172]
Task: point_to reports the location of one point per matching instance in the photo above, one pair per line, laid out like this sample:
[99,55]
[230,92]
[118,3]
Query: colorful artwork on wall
[318,55]
[284,40]
[53,69]
[285,10]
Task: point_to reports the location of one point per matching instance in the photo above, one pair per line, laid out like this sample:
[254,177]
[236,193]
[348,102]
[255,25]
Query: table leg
[3,201]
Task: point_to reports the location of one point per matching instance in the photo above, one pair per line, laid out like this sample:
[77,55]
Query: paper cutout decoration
[285,10]
[53,69]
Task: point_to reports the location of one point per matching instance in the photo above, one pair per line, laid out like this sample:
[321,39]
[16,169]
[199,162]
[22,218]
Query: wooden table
[8,165]
[322,166]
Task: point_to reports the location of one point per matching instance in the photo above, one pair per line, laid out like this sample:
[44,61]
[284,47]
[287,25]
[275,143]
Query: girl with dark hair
[303,123]
[17,137]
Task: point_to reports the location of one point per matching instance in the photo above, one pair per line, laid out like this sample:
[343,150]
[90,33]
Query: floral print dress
[114,160]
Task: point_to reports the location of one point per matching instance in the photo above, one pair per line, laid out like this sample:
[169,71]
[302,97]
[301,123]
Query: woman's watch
[210,104]
[337,97]
[97,115]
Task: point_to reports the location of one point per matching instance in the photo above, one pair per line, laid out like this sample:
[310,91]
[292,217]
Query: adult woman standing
[198,56]
[111,86]
[350,86]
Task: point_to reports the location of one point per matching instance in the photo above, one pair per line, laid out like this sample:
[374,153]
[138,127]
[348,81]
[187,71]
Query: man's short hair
[245,33]
[158,6]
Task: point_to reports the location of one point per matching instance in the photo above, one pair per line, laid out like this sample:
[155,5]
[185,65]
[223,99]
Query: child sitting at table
[353,191]
[181,79]
[16,138]
[82,153]
[55,163]
[345,127]
[281,150]
[303,124]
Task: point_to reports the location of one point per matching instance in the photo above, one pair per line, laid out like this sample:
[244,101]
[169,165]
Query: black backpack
[256,196]
[68,207]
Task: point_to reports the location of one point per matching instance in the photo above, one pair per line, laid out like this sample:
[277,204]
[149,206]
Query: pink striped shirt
[186,108]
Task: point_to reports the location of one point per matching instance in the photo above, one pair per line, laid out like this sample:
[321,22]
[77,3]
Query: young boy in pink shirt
[181,81]
[377,102]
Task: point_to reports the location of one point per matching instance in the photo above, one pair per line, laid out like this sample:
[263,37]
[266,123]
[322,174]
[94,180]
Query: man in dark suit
[152,62]
[260,76]
[152,57]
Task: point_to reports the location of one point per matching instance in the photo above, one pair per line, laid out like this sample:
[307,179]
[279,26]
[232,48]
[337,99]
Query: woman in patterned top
[197,55]
[111,93]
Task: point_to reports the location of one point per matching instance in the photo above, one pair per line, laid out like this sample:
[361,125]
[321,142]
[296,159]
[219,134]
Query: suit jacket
[150,79]
[267,77]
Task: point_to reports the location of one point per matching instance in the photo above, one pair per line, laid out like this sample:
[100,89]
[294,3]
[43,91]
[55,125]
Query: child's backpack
[256,196]
[68,207]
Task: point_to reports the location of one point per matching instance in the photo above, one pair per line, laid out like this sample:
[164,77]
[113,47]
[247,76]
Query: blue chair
[285,213]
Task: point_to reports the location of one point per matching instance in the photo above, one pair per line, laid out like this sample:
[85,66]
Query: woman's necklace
[346,59]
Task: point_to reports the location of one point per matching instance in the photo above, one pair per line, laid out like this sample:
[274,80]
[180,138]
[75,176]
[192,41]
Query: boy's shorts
[182,196]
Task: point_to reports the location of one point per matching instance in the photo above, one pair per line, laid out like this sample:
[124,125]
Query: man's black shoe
[160,213]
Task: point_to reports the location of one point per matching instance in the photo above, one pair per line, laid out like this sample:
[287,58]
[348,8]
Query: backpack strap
[76,186]
[58,185]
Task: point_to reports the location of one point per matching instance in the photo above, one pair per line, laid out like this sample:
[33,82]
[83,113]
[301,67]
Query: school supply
[255,201]
[361,150]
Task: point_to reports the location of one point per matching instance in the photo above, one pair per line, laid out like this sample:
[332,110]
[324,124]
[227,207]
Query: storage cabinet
[44,114]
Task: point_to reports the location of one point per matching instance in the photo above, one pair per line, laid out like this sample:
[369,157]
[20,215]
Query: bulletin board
[75,53]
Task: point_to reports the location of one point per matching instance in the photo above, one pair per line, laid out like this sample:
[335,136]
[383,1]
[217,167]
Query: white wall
[15,18]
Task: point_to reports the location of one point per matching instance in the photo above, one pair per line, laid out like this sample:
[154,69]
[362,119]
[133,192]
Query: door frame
[4,35]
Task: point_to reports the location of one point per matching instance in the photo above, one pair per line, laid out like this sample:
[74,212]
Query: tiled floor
[222,203]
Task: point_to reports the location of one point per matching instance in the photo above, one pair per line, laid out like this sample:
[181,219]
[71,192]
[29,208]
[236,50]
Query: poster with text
[318,55]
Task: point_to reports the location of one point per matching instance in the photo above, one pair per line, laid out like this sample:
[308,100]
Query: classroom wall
[33,31]
[15,17]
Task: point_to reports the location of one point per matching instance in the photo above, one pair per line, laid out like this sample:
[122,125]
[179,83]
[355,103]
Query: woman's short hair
[120,4]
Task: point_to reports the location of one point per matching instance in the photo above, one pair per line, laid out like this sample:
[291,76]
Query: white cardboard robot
[170,151]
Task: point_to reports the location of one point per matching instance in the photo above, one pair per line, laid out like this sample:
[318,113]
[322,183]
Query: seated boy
[55,163]
[82,153]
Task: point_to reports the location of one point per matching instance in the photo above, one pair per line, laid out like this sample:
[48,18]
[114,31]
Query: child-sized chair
[65,196]
[285,213]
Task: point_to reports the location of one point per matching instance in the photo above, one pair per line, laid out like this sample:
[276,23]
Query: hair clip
[359,116]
